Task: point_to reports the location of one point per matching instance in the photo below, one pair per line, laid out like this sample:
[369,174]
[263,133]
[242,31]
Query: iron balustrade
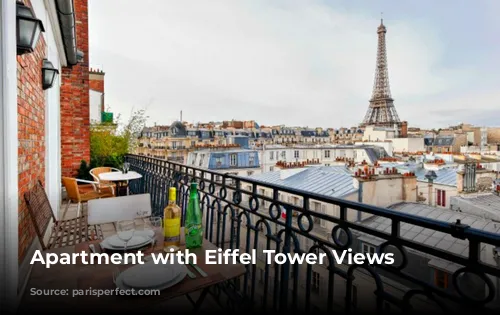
[234,218]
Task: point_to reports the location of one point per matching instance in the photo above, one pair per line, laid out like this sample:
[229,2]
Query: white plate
[136,240]
[146,234]
[106,245]
[180,276]
[149,275]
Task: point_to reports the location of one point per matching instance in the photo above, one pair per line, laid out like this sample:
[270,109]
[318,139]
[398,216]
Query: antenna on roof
[181,115]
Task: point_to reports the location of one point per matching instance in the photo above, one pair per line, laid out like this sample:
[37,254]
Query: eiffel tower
[381,111]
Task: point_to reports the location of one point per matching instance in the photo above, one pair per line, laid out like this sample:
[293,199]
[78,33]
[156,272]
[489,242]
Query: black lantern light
[28,29]
[49,74]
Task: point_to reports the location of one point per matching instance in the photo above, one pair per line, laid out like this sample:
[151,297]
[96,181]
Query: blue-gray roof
[429,237]
[332,181]
[445,176]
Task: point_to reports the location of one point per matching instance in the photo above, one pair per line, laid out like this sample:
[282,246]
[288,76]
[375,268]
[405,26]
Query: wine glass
[126,230]
[156,225]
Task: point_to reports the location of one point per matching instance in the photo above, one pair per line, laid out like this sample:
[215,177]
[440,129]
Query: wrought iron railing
[240,213]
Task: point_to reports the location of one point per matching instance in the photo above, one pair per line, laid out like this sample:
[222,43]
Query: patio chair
[79,194]
[63,232]
[104,184]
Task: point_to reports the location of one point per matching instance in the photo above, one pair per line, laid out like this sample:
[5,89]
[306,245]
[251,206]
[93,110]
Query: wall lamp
[49,74]
[28,29]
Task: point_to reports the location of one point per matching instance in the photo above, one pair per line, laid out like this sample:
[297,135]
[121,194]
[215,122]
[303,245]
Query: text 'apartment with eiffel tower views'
[382,114]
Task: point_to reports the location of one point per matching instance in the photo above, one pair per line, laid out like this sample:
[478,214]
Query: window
[441,197]
[233,159]
[251,160]
[441,279]
[323,211]
[283,155]
[315,282]
[271,168]
[202,156]
[317,208]
[327,154]
[249,173]
[271,155]
[296,154]
[219,161]
[174,144]
[368,249]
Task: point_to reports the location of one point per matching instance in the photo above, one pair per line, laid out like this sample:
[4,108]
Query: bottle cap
[172,193]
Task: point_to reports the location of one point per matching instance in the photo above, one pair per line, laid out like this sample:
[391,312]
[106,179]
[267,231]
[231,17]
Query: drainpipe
[430,193]
[360,198]
[67,23]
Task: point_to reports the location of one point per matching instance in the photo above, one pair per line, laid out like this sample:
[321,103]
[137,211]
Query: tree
[134,127]
[110,142]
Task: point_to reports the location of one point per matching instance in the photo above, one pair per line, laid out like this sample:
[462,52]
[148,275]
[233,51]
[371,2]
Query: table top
[81,278]
[119,176]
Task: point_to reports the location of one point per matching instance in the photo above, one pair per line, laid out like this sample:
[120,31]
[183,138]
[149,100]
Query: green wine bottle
[193,224]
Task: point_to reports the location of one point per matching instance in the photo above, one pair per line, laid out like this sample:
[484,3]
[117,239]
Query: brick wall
[493,135]
[31,134]
[75,120]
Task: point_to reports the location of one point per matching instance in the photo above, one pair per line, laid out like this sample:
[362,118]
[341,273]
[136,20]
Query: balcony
[178,147]
[176,159]
[238,216]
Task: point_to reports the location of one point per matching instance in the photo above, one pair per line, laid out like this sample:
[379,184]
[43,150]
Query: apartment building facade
[44,116]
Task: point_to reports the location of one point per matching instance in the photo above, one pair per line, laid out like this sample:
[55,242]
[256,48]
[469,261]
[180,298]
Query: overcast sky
[306,63]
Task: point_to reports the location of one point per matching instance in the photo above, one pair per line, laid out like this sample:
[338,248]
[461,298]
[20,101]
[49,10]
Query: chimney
[404,129]
[469,181]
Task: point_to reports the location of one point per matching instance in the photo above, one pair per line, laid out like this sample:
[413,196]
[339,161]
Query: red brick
[75,120]
[31,150]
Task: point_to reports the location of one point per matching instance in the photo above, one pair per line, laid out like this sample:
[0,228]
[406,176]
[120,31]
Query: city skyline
[270,69]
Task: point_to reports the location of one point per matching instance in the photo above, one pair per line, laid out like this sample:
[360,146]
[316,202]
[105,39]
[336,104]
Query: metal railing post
[285,268]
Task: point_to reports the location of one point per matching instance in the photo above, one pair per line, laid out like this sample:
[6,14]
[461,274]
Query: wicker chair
[82,193]
[104,185]
[64,232]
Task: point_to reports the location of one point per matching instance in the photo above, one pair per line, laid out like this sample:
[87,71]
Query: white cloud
[291,62]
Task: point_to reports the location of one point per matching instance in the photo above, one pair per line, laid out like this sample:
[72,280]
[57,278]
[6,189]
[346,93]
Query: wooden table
[81,277]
